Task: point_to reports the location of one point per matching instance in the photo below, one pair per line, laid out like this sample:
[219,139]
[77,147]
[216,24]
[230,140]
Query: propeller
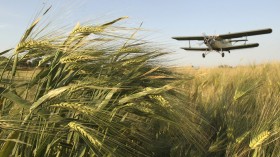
[204,41]
[208,40]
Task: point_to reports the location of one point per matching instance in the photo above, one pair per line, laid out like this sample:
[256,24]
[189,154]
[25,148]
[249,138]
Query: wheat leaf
[107,99]
[146,91]
[16,141]
[114,21]
[51,94]
[6,51]
[47,10]
[14,98]
[29,30]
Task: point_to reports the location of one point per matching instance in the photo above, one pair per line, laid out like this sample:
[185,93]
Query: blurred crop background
[97,89]
[241,105]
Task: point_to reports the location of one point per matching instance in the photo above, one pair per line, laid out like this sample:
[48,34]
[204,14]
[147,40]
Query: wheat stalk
[80,129]
[131,50]
[31,44]
[242,137]
[162,101]
[94,29]
[77,58]
[76,107]
[89,29]
[254,143]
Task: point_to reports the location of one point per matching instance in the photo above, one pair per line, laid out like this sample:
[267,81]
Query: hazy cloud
[3,25]
[8,13]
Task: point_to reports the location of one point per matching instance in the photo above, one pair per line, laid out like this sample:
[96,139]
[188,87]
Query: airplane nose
[205,41]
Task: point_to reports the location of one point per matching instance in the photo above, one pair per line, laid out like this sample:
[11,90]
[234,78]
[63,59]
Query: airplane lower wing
[189,38]
[195,49]
[223,49]
[240,47]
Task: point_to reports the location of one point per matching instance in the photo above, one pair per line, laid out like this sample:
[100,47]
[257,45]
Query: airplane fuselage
[219,44]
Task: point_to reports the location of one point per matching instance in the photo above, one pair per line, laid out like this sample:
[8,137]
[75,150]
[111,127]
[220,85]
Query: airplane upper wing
[240,47]
[189,38]
[247,33]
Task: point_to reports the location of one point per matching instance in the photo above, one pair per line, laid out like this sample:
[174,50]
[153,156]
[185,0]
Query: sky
[164,19]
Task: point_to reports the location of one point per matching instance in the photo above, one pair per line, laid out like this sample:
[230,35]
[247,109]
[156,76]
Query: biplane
[223,42]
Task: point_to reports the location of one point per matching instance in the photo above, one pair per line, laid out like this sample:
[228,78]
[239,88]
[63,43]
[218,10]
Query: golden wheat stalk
[242,137]
[254,143]
[81,130]
[77,58]
[130,50]
[89,29]
[5,125]
[76,107]
[162,101]
[32,44]
[94,29]
[129,62]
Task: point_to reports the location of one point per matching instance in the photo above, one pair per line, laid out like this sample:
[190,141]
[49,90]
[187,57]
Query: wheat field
[97,90]
[241,104]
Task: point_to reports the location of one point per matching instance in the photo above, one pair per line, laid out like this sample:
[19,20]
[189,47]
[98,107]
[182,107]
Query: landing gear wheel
[203,55]
[223,54]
